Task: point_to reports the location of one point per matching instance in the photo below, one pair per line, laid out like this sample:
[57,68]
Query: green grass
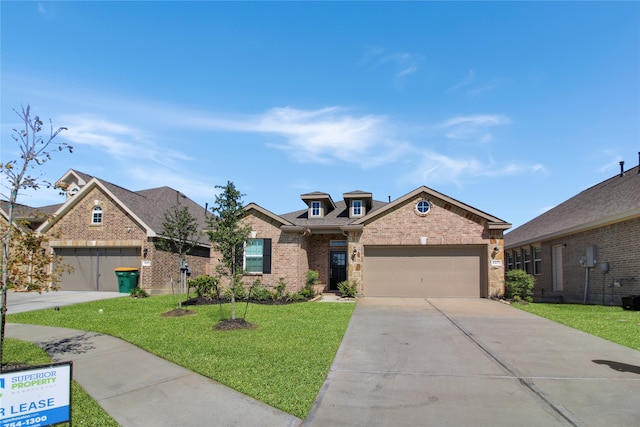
[282,363]
[611,323]
[84,410]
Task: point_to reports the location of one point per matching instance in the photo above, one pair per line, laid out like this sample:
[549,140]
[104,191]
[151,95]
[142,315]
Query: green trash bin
[127,279]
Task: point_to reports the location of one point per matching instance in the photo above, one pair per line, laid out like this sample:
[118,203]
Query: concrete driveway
[459,362]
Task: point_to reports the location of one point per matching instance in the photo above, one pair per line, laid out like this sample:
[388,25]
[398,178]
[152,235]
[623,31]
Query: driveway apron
[473,362]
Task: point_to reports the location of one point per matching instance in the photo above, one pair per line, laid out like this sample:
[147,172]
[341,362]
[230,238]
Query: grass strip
[283,362]
[84,410]
[611,323]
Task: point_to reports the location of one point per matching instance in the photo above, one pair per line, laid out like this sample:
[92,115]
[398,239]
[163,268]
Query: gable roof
[613,200]
[146,207]
[492,221]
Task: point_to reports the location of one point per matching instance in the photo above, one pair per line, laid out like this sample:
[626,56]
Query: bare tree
[35,150]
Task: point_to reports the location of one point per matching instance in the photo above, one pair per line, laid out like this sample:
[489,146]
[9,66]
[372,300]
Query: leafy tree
[34,150]
[181,233]
[31,267]
[227,234]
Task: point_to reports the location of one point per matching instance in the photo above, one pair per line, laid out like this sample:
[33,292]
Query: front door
[337,269]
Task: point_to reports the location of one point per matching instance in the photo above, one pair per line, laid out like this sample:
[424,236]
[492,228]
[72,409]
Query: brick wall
[288,256]
[445,224]
[118,229]
[616,244]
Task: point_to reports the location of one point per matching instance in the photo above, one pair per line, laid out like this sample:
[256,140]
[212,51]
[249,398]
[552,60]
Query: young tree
[34,150]
[227,234]
[31,267]
[181,232]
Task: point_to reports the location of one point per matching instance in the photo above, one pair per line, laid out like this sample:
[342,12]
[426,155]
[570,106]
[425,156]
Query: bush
[259,292]
[279,290]
[348,288]
[205,286]
[139,293]
[238,291]
[519,285]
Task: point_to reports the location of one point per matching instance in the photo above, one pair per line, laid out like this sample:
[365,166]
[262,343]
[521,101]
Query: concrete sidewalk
[476,362]
[139,389]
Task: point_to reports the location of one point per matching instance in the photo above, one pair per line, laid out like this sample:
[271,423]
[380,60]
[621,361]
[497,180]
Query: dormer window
[96,215]
[356,208]
[316,209]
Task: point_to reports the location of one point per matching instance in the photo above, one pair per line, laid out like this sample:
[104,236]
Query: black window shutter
[266,256]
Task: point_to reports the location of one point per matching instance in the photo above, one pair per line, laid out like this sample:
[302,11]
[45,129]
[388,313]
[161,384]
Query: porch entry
[337,268]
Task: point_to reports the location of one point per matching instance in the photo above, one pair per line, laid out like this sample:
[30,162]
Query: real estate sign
[36,397]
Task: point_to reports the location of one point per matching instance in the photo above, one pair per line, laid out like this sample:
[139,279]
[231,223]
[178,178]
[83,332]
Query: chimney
[621,169]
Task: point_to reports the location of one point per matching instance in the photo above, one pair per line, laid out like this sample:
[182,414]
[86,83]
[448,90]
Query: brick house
[584,250]
[424,244]
[102,226]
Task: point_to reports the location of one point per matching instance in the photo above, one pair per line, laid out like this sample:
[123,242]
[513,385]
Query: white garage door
[94,267]
[423,271]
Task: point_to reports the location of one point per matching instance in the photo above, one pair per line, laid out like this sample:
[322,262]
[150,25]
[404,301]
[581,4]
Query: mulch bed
[232,324]
[178,312]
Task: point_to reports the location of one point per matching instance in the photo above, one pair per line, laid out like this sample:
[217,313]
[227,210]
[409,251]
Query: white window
[96,215]
[316,209]
[537,260]
[423,207]
[356,208]
[526,255]
[257,256]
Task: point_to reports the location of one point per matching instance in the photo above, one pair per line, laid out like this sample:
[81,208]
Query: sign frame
[28,395]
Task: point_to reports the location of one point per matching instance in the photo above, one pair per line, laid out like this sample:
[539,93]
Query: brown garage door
[94,267]
[423,271]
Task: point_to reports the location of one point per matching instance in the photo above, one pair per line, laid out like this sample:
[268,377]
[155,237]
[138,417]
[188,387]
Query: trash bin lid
[126,269]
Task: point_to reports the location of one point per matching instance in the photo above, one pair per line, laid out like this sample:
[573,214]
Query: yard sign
[36,397]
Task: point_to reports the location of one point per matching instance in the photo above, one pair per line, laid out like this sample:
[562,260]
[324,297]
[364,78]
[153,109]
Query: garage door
[94,267]
[423,271]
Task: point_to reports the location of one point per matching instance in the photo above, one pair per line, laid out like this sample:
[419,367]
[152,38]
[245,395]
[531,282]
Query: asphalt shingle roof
[611,198]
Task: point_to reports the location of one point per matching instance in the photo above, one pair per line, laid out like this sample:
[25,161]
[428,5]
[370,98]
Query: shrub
[348,288]
[313,278]
[259,292]
[279,290]
[519,285]
[238,291]
[139,293]
[205,286]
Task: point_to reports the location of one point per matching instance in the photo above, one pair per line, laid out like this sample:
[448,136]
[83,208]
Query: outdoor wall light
[145,251]
[496,251]
[355,251]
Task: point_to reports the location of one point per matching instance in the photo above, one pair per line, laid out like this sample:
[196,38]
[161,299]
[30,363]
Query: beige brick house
[586,248]
[102,226]
[424,244]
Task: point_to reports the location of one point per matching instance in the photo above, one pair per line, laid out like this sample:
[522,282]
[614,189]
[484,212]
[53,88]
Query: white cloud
[473,127]
[469,78]
[117,140]
[319,136]
[437,168]
[403,63]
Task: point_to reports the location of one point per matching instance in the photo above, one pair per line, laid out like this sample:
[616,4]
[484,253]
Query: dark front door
[337,269]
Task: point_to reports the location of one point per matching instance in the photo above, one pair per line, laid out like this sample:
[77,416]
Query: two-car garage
[425,271]
[94,267]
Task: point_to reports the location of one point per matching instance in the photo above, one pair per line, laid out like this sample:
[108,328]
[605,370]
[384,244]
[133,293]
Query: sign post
[36,397]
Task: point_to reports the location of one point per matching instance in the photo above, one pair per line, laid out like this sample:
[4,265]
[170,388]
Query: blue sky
[510,107]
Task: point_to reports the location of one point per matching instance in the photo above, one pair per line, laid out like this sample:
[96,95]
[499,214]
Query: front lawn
[283,362]
[611,323]
[84,410]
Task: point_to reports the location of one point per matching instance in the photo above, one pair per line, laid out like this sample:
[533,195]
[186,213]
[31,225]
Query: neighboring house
[585,249]
[424,244]
[102,226]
